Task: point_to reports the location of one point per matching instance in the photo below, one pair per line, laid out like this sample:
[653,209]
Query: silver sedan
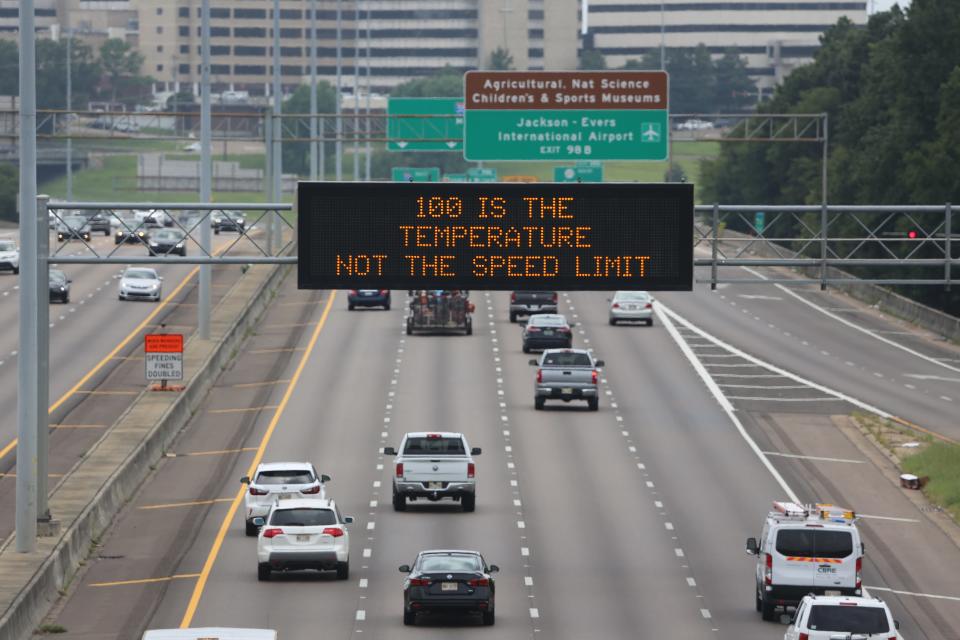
[631,306]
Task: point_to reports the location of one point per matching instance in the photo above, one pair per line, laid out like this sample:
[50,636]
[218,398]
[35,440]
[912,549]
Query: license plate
[566,390]
[303,537]
[449,586]
[434,485]
[548,332]
[831,592]
[285,496]
[366,293]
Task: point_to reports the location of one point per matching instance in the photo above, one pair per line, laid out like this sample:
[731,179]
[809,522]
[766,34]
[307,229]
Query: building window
[159,11]
[159,29]
[288,52]
[249,51]
[249,69]
[183,12]
[159,48]
[184,48]
[217,32]
[159,67]
[220,69]
[291,33]
[219,50]
[256,14]
[184,69]
[291,14]
[184,31]
[291,70]
[249,32]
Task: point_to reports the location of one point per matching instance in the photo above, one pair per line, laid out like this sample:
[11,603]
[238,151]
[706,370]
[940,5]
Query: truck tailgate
[434,469]
[567,375]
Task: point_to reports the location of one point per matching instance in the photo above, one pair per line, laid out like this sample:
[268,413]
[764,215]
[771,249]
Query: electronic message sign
[506,236]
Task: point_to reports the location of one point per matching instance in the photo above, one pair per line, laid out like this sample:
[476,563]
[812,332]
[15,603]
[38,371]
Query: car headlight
[63,288]
[179,245]
[153,244]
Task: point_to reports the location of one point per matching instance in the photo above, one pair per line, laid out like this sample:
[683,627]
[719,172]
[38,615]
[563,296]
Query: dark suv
[97,221]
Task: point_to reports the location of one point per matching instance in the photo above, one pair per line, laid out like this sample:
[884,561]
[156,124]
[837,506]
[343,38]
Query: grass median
[940,463]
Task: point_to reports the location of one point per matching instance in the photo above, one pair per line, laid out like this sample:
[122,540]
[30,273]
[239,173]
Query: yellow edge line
[916,427]
[193,503]
[215,453]
[143,581]
[261,450]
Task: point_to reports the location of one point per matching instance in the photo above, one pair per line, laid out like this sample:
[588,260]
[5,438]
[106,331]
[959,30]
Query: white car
[846,617]
[631,306]
[9,256]
[274,481]
[303,534]
[140,283]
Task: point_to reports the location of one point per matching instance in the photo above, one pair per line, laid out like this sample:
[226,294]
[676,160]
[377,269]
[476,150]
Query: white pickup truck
[434,465]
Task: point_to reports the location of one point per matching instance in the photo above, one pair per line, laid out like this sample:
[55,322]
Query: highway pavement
[627,522]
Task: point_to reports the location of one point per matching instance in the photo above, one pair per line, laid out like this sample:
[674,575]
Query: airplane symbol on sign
[651,133]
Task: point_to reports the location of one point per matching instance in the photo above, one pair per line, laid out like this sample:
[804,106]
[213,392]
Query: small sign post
[163,357]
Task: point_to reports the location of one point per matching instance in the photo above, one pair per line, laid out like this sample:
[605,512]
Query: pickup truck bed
[567,374]
[527,303]
[434,466]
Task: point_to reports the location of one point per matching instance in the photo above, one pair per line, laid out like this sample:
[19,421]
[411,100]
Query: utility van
[806,549]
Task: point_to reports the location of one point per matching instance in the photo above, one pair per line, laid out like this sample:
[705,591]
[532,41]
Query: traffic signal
[912,234]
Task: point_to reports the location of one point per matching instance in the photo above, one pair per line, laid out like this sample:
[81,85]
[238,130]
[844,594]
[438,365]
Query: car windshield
[632,296]
[424,446]
[814,543]
[303,517]
[75,222]
[57,276]
[848,619]
[168,235]
[285,476]
[450,562]
[544,320]
[139,274]
[567,359]
[6,245]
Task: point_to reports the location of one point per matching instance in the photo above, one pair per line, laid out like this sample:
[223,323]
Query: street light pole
[206,170]
[313,90]
[277,175]
[356,90]
[69,33]
[367,126]
[338,124]
[663,29]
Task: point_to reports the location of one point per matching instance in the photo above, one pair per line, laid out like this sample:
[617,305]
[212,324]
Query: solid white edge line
[913,593]
[774,368]
[846,322]
[725,404]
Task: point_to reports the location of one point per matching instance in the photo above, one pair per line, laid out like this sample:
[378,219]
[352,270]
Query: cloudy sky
[883,5]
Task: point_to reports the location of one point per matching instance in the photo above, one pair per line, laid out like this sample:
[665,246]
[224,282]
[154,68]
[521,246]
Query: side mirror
[896,624]
[258,522]
[245,480]
[533,362]
[404,568]
[389,451]
[493,569]
[324,478]
[599,363]
[475,451]
[347,519]
[160,278]
[69,280]
[752,547]
[573,324]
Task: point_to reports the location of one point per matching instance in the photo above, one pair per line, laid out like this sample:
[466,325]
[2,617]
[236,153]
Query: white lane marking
[878,374]
[524,551]
[361,615]
[632,449]
[384,434]
[371,526]
[678,552]
[763,386]
[516,503]
[668,526]
[922,376]
[817,399]
[658,504]
[691,582]
[758,297]
[824,353]
[507,448]
[513,483]
[367,552]
[649,485]
[527,581]
[506,432]
[376,484]
[856,327]
[534,612]
[910,386]
[705,613]
[725,404]
[890,518]
[849,364]
[640,465]
[379,467]
[373,504]
[521,524]
[947,398]
[363,583]
[745,375]
[915,594]
[817,458]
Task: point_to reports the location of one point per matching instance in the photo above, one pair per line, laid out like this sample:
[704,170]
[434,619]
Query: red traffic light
[912,234]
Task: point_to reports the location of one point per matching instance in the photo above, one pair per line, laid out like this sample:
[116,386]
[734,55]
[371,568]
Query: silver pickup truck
[567,374]
[433,466]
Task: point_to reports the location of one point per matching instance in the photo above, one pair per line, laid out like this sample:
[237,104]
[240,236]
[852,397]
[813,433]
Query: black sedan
[448,581]
[547,331]
[97,221]
[166,241]
[230,221]
[73,228]
[59,286]
[368,298]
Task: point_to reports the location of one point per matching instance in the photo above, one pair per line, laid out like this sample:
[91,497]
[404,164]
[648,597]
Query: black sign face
[509,236]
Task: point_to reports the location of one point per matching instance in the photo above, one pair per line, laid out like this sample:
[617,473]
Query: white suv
[9,255]
[274,481]
[849,618]
[303,534]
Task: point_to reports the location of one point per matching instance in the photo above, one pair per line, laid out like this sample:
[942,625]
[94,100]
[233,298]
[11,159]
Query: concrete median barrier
[90,495]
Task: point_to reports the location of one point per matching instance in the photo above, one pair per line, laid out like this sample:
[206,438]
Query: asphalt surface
[622,523]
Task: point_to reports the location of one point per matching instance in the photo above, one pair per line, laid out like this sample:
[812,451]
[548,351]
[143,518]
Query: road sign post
[163,357]
[568,115]
[420,132]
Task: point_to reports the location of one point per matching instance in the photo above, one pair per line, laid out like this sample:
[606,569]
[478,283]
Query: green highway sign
[579,173]
[416,174]
[455,177]
[589,163]
[568,115]
[477,174]
[418,131]
[759,221]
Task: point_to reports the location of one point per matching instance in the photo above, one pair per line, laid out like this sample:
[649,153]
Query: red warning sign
[163,343]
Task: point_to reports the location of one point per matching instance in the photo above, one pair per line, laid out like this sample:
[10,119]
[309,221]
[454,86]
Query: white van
[210,633]
[806,549]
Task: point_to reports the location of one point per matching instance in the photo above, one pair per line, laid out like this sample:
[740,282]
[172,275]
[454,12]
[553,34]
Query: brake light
[433,436]
[353,292]
[554,297]
[616,305]
[532,329]
[768,571]
[479,582]
[513,298]
[336,532]
[471,469]
[539,375]
[419,582]
[859,572]
[270,533]
[804,636]
[594,377]
[399,469]
[383,292]
[311,490]
[648,306]
[258,492]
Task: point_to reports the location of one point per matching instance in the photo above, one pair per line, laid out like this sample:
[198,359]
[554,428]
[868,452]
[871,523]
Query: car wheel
[768,610]
[399,502]
[538,403]
[489,617]
[263,572]
[119,297]
[116,241]
[386,307]
[106,233]
[409,618]
[526,349]
[350,307]
[409,327]
[343,570]
[593,403]
[469,330]
[650,322]
[469,503]
[758,602]
[613,322]
[252,529]
[513,317]
[216,231]
[66,298]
